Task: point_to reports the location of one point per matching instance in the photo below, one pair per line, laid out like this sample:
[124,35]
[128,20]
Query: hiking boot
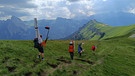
[42,58]
[38,56]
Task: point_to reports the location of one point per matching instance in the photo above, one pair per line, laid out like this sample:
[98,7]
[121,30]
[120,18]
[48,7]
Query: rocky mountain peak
[14,18]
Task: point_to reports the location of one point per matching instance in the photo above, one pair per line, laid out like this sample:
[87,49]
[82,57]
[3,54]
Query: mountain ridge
[95,30]
[61,28]
[15,28]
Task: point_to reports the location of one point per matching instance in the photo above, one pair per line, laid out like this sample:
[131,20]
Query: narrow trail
[51,70]
[65,63]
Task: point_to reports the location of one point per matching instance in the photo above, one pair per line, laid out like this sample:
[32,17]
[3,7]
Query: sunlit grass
[114,57]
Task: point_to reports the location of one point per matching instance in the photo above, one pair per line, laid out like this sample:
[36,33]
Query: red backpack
[93,48]
[71,48]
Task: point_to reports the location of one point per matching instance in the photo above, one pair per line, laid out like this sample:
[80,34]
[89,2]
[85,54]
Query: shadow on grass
[62,59]
[83,60]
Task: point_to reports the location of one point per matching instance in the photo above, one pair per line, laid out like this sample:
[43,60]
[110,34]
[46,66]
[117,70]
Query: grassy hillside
[119,31]
[114,57]
[94,30]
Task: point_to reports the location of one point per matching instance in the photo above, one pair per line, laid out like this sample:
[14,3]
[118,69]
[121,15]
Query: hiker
[71,49]
[39,43]
[93,48]
[80,49]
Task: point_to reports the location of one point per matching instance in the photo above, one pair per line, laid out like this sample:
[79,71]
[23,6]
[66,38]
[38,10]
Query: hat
[71,42]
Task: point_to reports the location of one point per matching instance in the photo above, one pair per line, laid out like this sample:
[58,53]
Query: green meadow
[93,29]
[113,57]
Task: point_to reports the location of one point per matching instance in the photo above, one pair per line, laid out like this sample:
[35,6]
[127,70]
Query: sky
[51,9]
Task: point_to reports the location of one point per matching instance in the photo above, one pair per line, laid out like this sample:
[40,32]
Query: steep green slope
[114,57]
[119,31]
[94,30]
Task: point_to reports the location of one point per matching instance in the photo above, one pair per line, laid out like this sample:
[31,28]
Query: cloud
[104,0]
[14,7]
[112,6]
[51,9]
[16,3]
[61,8]
[48,9]
[77,0]
[5,17]
[131,10]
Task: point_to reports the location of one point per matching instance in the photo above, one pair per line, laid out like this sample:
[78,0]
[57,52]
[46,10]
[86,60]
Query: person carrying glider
[71,49]
[38,41]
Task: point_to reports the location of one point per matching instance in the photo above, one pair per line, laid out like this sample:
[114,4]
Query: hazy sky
[51,9]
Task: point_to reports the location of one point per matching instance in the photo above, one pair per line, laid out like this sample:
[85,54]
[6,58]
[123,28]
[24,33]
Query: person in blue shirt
[80,49]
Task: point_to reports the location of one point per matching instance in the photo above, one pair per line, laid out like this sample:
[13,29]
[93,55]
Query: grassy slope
[119,31]
[115,57]
[109,30]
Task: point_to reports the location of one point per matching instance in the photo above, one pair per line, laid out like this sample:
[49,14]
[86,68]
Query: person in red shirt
[93,48]
[71,50]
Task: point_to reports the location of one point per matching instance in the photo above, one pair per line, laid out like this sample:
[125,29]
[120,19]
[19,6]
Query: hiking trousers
[71,55]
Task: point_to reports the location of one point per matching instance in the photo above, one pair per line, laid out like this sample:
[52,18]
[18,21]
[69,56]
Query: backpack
[71,48]
[93,48]
[36,44]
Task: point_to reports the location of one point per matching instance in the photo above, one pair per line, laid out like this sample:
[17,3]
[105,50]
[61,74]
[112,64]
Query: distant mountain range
[60,27]
[95,30]
[15,28]
[88,28]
